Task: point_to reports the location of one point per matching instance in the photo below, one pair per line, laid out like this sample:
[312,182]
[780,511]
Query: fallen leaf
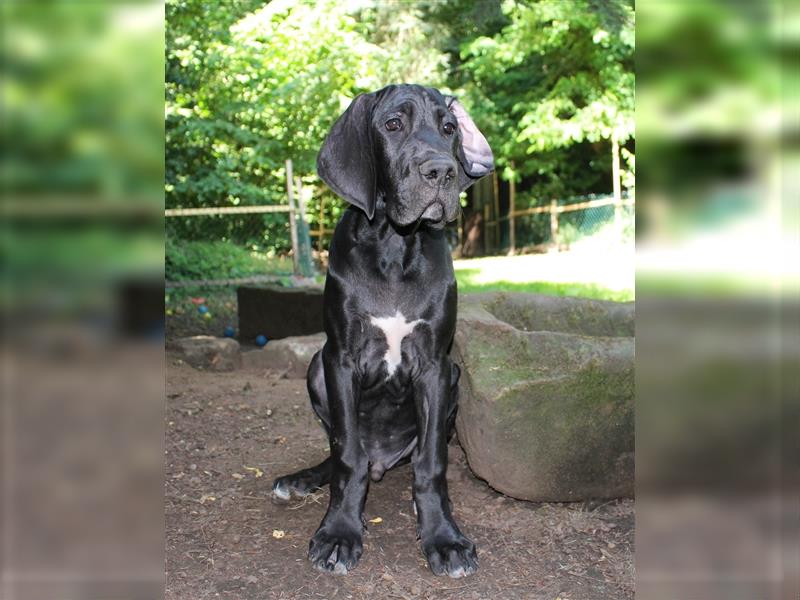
[256,471]
[278,533]
[207,498]
[376,520]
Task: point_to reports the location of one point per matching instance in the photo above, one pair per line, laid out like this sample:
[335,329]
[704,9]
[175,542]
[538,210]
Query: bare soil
[229,434]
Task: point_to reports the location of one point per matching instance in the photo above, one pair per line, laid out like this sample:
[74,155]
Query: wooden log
[486,241]
[512,211]
[321,227]
[496,220]
[617,183]
[292,217]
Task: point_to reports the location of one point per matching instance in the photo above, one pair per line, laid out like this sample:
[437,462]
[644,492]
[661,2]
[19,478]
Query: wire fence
[558,224]
[233,257]
[572,226]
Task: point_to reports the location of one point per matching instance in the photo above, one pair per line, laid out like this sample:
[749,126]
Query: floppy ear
[474,154]
[346,161]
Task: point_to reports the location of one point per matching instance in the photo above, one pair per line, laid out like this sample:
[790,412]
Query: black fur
[388,256]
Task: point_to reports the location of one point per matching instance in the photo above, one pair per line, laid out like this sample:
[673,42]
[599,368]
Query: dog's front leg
[448,551]
[337,544]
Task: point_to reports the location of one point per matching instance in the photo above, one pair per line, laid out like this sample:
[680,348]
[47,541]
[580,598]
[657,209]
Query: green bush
[186,260]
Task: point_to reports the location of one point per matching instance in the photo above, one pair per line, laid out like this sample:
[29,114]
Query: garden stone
[208,352]
[546,404]
[290,355]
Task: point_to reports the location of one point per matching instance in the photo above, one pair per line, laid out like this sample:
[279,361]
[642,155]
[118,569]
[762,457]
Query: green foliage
[568,234]
[267,89]
[186,260]
[80,118]
[82,135]
[551,88]
[250,85]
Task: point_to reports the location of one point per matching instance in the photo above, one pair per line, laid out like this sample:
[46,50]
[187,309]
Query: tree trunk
[512,233]
[617,183]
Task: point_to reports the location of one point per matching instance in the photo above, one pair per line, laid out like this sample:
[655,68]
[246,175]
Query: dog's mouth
[434,212]
[435,215]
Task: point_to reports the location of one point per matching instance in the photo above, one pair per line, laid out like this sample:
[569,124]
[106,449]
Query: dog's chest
[393,330]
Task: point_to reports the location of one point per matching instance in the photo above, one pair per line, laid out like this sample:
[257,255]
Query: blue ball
[261,341]
[202,309]
[229,331]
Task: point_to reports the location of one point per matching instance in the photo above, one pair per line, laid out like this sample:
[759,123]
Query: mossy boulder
[546,404]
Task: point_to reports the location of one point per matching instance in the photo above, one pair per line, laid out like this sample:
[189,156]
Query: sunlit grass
[466,285]
[606,275]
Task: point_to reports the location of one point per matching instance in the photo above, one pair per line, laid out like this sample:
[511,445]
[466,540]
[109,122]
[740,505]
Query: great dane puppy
[383,385]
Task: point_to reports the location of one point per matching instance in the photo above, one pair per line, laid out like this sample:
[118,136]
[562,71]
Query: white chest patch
[394,329]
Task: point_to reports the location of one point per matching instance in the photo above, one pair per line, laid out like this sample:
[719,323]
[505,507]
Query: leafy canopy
[250,85]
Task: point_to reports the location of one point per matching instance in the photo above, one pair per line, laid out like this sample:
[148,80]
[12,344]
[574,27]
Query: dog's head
[410,145]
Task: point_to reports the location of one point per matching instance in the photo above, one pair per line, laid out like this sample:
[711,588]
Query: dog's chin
[433,216]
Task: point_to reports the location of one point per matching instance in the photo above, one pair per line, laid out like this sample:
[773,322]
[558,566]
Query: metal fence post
[303,234]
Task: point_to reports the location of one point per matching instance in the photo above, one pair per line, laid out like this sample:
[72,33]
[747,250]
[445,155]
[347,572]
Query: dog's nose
[438,171]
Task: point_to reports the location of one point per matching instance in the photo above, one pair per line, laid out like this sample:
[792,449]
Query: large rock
[278,312]
[208,352]
[290,355]
[546,405]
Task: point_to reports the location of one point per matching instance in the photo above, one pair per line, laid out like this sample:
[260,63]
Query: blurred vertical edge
[82,173]
[718,336]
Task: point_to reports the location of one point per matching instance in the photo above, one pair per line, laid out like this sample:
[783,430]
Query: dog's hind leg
[455,375]
[304,482]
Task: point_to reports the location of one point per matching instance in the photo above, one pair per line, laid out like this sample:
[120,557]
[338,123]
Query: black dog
[383,385]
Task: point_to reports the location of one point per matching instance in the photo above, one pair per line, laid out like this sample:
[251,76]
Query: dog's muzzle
[435,212]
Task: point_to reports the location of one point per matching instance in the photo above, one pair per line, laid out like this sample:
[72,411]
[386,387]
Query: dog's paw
[335,551]
[292,486]
[281,492]
[454,557]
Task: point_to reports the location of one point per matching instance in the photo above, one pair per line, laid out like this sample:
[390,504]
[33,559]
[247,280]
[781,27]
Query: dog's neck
[409,247]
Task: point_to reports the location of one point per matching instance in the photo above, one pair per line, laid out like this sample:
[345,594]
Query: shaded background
[81,170]
[717,300]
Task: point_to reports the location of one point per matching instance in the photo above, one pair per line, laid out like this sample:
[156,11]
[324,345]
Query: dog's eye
[449,128]
[394,124]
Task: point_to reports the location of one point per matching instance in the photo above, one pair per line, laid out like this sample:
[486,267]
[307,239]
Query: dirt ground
[229,434]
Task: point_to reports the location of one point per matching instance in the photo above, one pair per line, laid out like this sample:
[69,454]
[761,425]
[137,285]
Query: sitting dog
[383,385]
